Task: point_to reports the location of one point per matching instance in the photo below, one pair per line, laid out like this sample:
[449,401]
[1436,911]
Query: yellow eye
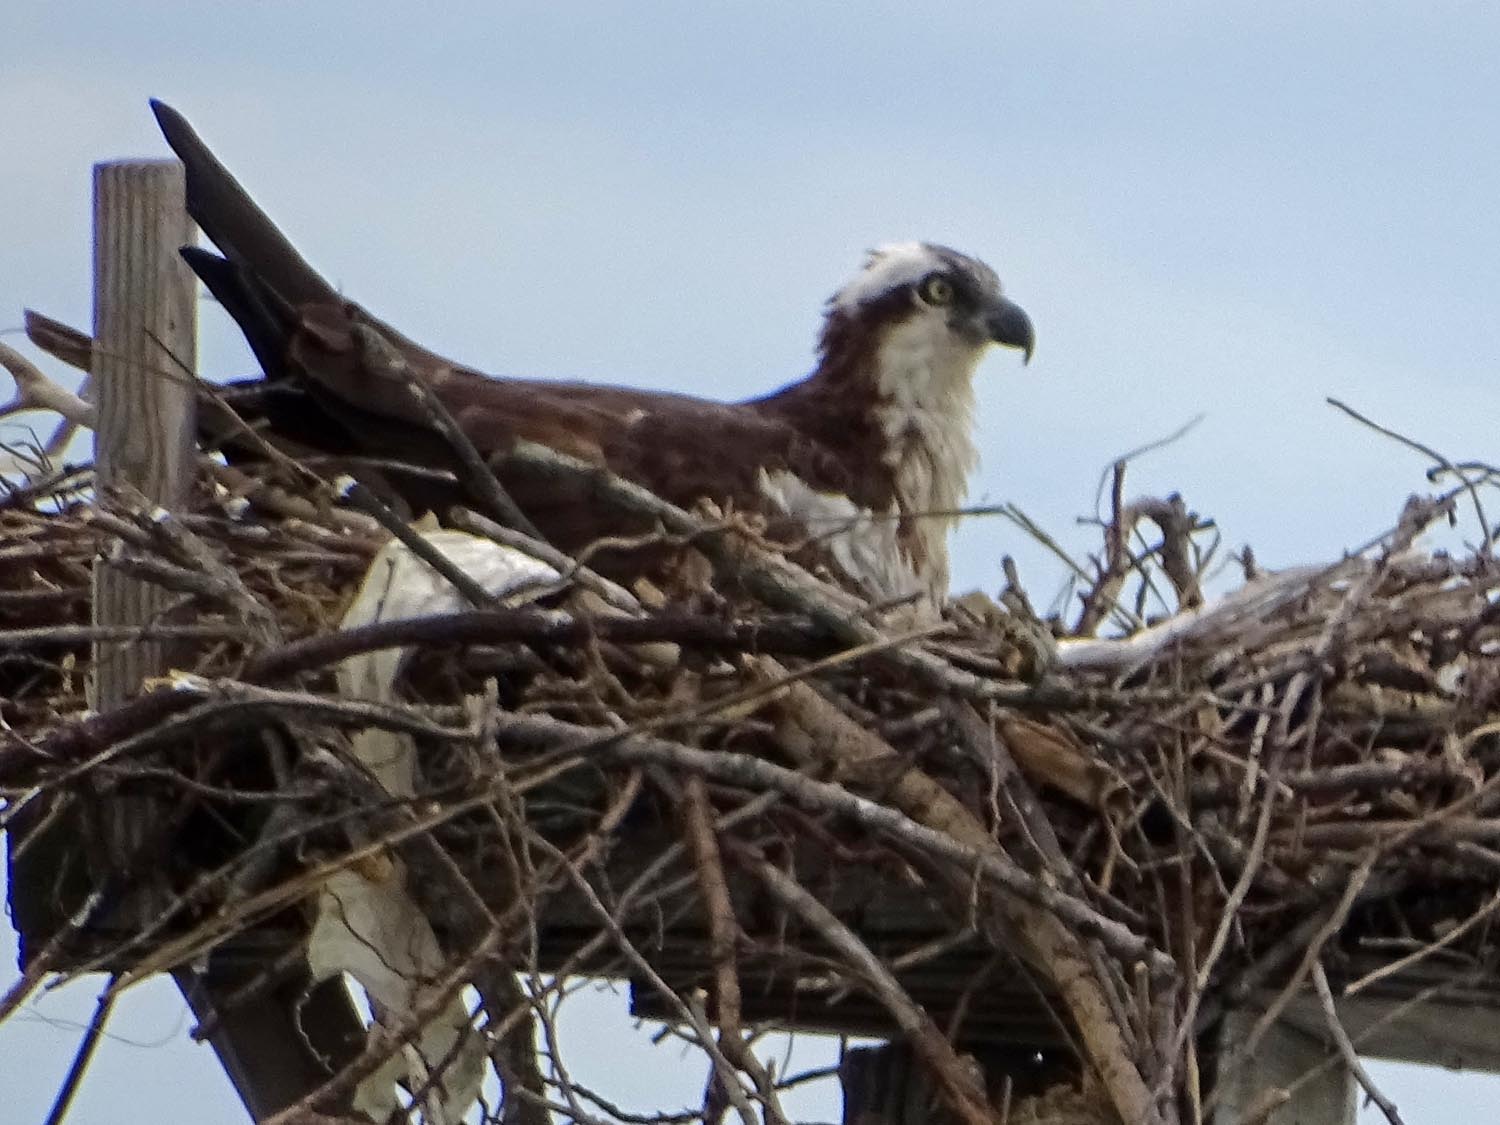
[937,290]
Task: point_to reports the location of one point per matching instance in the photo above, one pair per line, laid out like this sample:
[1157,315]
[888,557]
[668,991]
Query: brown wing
[330,392]
[327,392]
[682,448]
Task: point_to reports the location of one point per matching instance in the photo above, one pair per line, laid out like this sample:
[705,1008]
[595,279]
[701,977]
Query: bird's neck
[924,405]
[913,439]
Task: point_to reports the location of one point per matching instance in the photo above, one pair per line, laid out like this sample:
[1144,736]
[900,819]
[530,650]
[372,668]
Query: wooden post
[1283,1056]
[143,293]
[279,1047]
[887,1086]
[145,346]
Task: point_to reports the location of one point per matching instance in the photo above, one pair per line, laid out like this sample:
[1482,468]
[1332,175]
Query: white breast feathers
[925,408]
[862,544]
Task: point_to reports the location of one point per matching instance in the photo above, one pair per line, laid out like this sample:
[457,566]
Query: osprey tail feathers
[295,322]
[233,221]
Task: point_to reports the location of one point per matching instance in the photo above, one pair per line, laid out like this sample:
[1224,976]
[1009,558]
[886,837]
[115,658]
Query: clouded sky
[1233,209]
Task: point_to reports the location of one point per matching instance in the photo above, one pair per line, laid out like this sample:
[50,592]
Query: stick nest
[763,805]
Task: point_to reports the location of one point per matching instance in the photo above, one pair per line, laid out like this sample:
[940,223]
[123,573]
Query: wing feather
[341,385]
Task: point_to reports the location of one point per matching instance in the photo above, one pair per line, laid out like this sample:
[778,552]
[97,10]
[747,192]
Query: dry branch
[1202,814]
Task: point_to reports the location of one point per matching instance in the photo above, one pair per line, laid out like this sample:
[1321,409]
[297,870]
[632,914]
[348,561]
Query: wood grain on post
[145,346]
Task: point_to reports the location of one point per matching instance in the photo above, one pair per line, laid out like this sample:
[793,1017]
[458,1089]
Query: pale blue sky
[1233,209]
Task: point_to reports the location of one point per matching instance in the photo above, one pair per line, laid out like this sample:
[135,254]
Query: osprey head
[894,381]
[935,292]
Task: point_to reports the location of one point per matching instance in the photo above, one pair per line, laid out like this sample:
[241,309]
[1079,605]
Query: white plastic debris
[367,924]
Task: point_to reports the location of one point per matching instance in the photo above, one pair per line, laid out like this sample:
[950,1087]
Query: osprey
[867,458]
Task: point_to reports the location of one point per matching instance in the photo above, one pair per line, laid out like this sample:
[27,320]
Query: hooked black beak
[1008,324]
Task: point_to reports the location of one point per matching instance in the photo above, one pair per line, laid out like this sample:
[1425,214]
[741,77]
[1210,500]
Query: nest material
[1303,775]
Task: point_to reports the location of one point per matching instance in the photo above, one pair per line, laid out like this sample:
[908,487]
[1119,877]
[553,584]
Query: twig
[964,1096]
[1311,955]
[60,341]
[1113,469]
[388,363]
[35,391]
[366,501]
[681,1009]
[1228,916]
[543,733]
[697,816]
[571,570]
[84,1055]
[1411,443]
[76,350]
[1127,619]
[17,640]
[537,626]
[1346,1048]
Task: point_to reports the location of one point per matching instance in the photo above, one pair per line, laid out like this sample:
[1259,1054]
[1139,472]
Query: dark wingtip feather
[233,221]
[188,146]
[264,319]
[168,118]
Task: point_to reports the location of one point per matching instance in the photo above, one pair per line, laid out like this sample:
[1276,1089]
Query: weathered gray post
[145,344]
[1285,1053]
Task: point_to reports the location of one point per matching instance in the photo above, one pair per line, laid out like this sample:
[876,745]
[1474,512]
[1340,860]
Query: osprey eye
[937,290]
